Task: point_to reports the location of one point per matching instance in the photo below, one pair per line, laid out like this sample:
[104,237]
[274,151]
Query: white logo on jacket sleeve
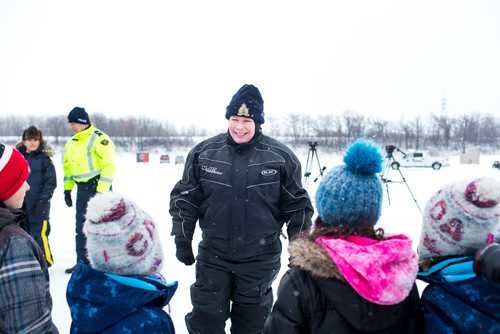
[269,172]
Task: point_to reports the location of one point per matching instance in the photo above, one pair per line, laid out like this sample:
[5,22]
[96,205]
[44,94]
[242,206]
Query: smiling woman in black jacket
[42,181]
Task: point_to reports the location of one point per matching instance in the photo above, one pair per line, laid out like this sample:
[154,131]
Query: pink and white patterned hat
[459,217]
[121,238]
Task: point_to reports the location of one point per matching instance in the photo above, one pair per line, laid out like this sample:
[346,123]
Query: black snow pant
[85,191]
[237,287]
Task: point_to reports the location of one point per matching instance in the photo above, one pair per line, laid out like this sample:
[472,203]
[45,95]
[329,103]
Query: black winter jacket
[314,298]
[241,194]
[42,181]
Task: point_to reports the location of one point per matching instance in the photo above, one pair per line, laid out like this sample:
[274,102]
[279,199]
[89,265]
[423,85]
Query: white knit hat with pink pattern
[458,218]
[121,238]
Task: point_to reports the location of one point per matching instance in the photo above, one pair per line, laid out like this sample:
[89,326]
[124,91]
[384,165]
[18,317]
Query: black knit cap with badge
[247,102]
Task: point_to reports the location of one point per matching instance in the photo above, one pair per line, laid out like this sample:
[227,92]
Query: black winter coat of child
[42,181]
[315,298]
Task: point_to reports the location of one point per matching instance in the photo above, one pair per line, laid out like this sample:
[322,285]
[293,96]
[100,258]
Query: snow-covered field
[149,185]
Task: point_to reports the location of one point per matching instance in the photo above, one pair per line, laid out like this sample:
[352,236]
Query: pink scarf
[382,272]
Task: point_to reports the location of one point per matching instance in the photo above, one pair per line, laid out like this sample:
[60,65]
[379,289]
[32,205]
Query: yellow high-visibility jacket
[87,154]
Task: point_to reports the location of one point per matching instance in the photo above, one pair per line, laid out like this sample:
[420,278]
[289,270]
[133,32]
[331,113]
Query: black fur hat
[32,133]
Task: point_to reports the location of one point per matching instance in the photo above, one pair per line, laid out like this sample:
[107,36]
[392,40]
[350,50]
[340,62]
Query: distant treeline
[332,132]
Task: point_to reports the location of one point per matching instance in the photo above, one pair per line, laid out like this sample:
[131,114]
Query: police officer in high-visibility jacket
[89,162]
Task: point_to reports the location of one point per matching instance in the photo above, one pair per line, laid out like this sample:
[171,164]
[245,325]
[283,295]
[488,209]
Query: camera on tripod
[390,149]
[313,144]
[391,163]
[311,156]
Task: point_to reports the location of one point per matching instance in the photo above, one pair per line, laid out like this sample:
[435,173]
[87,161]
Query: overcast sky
[183,60]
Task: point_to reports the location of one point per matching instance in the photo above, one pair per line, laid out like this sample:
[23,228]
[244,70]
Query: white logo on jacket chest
[269,172]
[211,170]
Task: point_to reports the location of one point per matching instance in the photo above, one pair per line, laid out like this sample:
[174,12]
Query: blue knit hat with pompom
[351,195]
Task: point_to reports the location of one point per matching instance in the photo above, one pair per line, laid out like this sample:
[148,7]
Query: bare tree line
[129,133]
[436,132]
[332,132]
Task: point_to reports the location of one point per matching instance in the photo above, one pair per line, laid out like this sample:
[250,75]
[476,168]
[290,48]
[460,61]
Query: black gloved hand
[487,262]
[184,252]
[67,198]
[41,208]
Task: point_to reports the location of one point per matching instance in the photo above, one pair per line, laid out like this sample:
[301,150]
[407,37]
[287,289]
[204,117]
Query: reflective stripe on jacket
[87,154]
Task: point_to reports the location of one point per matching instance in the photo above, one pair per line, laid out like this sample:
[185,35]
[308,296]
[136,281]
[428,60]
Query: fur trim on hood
[44,147]
[307,255]
[381,271]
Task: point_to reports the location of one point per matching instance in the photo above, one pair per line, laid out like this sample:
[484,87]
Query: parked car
[419,159]
[496,164]
[179,159]
[164,158]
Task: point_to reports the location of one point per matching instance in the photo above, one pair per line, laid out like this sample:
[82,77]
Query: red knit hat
[14,170]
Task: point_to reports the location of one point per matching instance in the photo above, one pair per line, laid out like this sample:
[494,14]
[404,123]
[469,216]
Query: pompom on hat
[121,238]
[14,171]
[458,218]
[78,115]
[247,102]
[351,195]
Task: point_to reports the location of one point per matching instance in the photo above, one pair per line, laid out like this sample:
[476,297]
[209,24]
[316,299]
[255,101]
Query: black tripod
[391,163]
[310,157]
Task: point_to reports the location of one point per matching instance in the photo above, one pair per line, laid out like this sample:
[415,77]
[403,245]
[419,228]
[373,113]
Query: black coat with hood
[42,181]
[241,194]
[314,297]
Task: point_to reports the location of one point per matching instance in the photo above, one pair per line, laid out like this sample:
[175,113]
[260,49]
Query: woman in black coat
[42,181]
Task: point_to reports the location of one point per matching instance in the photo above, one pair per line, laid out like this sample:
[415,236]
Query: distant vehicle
[420,159]
[496,164]
[164,159]
[179,159]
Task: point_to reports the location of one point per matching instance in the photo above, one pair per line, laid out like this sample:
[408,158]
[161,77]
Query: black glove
[67,198]
[41,208]
[184,252]
[487,262]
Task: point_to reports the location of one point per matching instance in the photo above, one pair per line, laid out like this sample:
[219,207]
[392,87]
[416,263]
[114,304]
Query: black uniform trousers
[40,230]
[85,191]
[236,287]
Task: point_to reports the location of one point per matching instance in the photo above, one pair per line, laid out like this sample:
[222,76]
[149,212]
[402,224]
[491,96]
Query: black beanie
[247,102]
[78,115]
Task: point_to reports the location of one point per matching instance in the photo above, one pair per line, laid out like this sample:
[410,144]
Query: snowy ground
[149,185]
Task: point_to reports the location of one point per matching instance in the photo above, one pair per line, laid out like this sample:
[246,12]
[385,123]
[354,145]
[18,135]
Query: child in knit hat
[346,276]
[457,221]
[122,289]
[25,300]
